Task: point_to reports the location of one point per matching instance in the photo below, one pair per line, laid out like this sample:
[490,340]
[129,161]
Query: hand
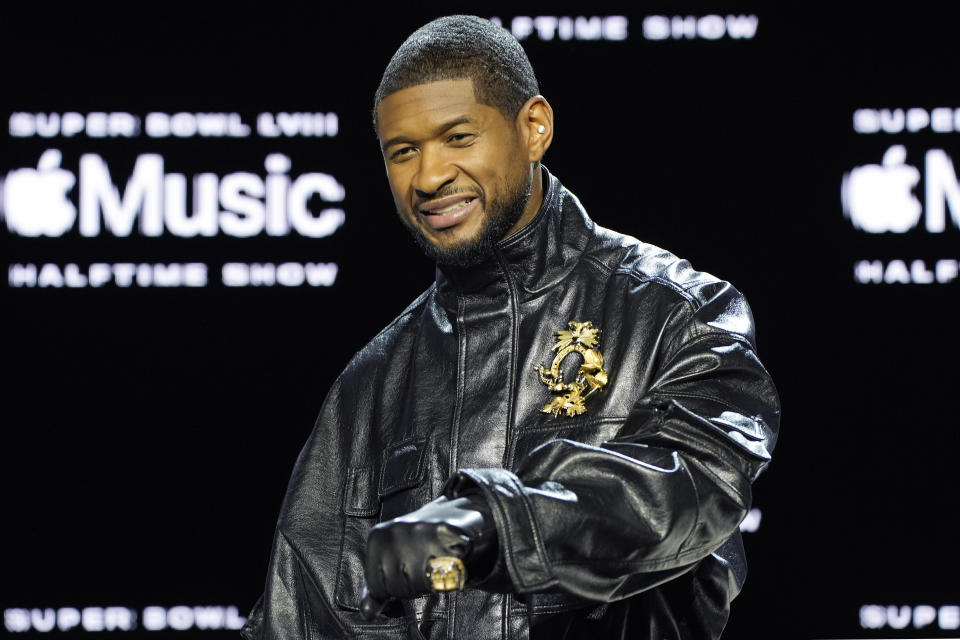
[398,550]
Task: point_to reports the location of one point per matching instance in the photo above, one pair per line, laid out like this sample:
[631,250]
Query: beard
[501,215]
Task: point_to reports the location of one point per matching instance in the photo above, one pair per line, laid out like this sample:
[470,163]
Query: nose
[434,172]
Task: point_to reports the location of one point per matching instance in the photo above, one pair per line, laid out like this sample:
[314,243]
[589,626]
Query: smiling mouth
[447,212]
[456,206]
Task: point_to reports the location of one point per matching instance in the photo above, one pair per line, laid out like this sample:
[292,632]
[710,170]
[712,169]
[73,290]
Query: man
[557,439]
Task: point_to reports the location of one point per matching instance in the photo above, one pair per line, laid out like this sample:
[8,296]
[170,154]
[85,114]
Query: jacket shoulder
[713,301]
[382,345]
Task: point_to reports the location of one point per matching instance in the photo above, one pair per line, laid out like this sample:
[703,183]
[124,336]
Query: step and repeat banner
[197,235]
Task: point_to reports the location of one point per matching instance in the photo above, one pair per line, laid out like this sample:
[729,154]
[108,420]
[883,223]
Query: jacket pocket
[360,507]
[370,497]
[401,479]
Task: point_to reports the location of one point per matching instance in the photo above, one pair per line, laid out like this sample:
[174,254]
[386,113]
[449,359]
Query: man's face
[458,170]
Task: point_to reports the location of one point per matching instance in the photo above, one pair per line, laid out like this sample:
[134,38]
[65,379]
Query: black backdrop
[149,431]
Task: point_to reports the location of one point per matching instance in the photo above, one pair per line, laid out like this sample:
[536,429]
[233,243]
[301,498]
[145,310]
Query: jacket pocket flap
[360,497]
[402,467]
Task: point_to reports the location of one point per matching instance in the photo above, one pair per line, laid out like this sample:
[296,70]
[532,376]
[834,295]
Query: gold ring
[446,573]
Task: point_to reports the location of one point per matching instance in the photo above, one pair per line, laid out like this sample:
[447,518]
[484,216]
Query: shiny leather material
[620,522]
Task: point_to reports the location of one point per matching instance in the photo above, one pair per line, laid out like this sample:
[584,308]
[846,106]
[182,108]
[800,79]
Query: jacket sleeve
[605,522]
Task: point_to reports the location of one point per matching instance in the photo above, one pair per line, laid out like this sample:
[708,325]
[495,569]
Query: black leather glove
[398,550]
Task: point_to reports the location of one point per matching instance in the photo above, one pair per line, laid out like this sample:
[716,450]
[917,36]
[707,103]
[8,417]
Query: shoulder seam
[597,263]
[673,286]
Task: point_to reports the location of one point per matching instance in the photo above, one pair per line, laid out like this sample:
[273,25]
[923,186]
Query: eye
[401,154]
[460,139]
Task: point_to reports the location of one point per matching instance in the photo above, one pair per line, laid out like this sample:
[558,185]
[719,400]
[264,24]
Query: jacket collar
[534,258]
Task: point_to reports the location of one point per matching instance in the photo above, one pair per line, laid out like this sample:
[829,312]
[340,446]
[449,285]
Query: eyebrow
[449,124]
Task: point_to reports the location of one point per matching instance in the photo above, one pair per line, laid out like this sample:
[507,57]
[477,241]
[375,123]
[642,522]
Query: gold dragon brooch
[584,339]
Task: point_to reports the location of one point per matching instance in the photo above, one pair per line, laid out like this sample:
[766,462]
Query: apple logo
[35,201]
[878,198]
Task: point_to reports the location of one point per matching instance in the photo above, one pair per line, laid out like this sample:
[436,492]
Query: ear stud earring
[541,129]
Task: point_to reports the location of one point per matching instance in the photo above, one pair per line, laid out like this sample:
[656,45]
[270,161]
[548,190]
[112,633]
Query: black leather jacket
[618,522]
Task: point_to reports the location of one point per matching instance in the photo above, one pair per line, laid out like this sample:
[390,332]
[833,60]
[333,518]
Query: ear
[535,124]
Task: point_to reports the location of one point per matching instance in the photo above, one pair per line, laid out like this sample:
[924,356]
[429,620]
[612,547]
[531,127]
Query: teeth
[453,207]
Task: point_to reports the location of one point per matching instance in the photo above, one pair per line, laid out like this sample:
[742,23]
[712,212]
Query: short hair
[458,47]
